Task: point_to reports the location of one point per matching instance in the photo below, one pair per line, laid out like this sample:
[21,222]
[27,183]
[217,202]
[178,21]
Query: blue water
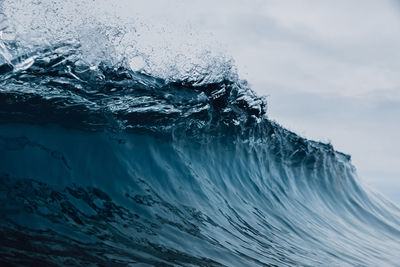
[111,167]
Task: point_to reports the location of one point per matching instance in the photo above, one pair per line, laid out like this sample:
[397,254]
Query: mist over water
[118,148]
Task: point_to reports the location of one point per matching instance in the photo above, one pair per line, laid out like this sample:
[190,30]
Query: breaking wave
[172,163]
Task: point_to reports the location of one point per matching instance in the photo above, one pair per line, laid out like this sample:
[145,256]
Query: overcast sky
[330,69]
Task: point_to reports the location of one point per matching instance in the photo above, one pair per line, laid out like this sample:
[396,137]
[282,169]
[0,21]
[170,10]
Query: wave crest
[101,36]
[64,84]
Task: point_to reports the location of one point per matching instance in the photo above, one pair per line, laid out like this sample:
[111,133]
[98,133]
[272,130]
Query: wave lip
[63,84]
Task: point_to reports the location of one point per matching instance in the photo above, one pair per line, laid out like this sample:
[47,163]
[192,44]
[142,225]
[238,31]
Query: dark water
[111,167]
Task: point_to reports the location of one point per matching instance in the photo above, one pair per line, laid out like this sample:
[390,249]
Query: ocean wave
[104,162]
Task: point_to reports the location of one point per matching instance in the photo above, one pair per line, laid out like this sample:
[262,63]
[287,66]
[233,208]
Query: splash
[103,36]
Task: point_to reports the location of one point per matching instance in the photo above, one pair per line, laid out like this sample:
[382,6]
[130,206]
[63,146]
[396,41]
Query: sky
[329,69]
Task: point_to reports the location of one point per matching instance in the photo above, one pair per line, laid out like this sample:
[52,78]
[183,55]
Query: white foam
[111,34]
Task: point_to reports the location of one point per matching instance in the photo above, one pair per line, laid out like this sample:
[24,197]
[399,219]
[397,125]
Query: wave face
[103,164]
